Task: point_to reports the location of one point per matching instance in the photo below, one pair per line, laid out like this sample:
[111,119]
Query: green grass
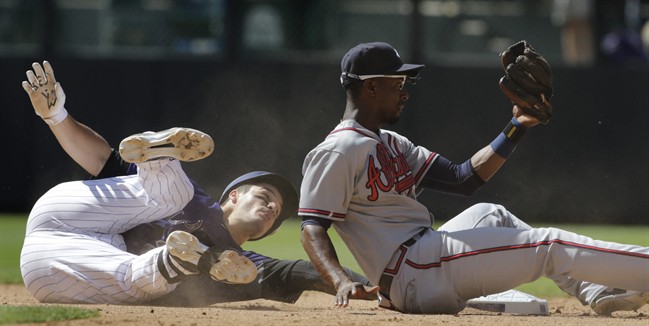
[12,233]
[285,244]
[43,314]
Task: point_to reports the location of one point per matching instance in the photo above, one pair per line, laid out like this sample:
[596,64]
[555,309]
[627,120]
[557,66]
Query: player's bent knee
[488,209]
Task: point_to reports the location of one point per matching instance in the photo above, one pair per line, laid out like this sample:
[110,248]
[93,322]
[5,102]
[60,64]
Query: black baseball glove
[527,81]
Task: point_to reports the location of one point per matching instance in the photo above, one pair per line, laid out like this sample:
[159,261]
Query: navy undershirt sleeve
[115,166]
[446,176]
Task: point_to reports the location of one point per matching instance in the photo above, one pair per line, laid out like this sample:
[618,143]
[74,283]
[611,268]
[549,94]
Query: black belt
[385,282]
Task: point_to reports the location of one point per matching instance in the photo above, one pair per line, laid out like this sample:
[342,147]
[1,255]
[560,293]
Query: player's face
[392,96]
[258,208]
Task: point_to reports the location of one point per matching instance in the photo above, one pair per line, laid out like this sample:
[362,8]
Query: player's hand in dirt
[45,93]
[354,290]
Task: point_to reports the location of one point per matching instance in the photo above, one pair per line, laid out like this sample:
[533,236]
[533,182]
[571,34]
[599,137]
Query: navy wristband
[506,141]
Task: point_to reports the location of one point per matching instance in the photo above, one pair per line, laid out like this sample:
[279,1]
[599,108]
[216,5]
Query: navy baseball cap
[376,58]
[285,188]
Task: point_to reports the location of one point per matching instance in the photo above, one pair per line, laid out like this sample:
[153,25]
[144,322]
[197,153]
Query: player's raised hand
[354,290]
[45,93]
[524,119]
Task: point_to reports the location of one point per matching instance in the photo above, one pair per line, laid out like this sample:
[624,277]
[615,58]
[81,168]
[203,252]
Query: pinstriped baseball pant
[73,251]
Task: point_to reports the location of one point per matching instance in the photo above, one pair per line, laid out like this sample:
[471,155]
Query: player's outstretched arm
[285,281]
[487,161]
[86,147]
[321,252]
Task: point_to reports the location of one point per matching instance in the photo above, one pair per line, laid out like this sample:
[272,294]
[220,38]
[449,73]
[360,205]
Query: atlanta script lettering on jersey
[388,171]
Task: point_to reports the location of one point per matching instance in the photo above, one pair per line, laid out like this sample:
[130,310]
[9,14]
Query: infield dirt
[315,308]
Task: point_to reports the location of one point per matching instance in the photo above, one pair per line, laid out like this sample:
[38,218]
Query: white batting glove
[46,94]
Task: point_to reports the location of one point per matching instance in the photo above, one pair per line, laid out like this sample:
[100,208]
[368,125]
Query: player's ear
[233,195]
[370,86]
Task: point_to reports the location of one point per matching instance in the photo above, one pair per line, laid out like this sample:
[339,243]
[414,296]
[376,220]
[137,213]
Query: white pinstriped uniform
[73,250]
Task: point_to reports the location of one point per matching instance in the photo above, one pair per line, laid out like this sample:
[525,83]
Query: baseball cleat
[183,144]
[233,268]
[618,300]
[194,257]
[185,250]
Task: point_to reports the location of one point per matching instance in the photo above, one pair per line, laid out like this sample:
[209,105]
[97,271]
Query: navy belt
[385,282]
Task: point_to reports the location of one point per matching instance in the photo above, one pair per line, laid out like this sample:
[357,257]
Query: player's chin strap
[385,282]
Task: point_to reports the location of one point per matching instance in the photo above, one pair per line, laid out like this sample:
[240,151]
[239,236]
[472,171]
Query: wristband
[506,142]
[56,118]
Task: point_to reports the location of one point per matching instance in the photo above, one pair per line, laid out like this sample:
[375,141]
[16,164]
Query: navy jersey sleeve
[256,258]
[115,166]
[446,176]
[145,237]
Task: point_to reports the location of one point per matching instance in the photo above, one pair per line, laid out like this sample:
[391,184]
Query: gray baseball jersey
[74,250]
[365,182]
[353,167]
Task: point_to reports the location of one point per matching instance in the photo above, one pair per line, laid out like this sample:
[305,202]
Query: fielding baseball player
[281,280]
[363,180]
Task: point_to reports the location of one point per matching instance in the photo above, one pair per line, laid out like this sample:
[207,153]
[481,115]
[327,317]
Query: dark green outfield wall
[590,165]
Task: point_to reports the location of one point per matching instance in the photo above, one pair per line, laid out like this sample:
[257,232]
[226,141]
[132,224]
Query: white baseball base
[513,302]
